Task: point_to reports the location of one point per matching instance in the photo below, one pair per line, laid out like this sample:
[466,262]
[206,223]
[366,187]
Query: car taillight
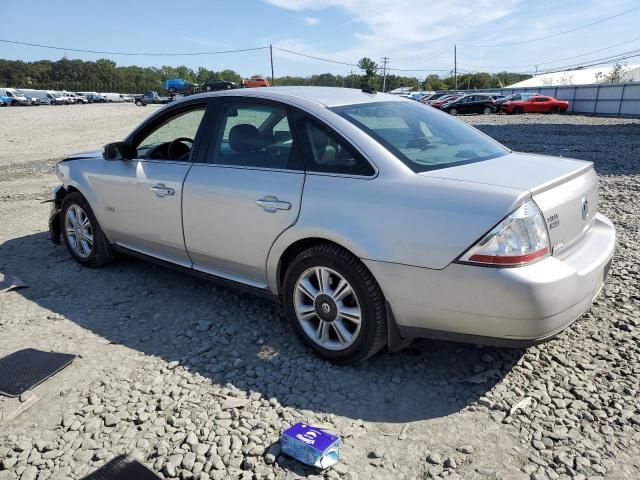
[519,239]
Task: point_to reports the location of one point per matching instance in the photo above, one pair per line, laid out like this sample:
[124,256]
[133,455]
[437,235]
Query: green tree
[616,75]
[370,68]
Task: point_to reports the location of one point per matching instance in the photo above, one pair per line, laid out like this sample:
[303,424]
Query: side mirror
[118,151]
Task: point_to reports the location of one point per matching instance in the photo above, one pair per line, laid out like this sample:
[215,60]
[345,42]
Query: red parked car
[442,100]
[536,104]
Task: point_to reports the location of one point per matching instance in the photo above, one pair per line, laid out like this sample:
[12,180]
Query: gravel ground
[160,353]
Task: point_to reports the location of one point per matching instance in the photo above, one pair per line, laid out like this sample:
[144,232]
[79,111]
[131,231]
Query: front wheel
[487,111]
[453,111]
[82,234]
[334,304]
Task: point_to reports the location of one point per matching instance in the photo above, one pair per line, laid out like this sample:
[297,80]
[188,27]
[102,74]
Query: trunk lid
[566,190]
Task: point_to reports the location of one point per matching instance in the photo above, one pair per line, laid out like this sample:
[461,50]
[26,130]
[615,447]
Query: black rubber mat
[122,468]
[24,369]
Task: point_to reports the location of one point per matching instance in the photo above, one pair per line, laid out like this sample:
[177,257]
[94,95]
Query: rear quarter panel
[413,220]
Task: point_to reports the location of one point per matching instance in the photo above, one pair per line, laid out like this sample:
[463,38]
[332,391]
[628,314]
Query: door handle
[271,204]
[162,191]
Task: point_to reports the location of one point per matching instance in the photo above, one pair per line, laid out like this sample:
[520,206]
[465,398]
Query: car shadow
[239,339]
[614,148]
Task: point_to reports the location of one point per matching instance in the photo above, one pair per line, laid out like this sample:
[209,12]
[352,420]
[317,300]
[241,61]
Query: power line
[599,61]
[425,70]
[138,54]
[557,60]
[316,58]
[521,42]
[418,70]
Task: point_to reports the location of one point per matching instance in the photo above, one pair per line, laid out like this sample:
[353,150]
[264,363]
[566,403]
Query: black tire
[101,253]
[373,328]
[453,111]
[554,110]
[518,111]
[487,111]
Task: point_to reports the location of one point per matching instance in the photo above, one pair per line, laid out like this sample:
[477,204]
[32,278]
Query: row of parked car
[29,96]
[457,103]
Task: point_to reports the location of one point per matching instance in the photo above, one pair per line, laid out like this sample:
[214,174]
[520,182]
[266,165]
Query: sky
[413,34]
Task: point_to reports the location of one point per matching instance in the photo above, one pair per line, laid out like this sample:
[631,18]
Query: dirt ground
[159,351]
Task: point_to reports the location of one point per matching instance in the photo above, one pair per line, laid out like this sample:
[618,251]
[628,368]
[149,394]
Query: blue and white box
[311,445]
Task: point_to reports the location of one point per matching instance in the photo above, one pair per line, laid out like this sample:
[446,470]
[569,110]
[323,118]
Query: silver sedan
[373,219]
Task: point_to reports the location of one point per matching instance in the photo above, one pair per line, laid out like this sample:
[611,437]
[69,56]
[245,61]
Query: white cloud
[312,20]
[409,31]
[420,35]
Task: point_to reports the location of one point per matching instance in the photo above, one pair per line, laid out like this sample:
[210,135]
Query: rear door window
[325,151]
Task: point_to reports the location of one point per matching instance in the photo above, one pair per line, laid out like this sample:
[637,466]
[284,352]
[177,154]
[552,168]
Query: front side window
[254,135]
[421,137]
[173,138]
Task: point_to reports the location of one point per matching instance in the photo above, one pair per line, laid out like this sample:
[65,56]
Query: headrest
[245,138]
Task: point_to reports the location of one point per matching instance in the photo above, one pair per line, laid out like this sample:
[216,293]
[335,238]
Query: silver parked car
[374,219]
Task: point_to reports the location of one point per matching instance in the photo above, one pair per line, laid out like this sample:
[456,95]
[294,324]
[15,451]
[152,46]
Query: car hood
[88,155]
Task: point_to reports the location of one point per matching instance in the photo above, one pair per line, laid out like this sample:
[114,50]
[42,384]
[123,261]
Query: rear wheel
[334,304]
[82,234]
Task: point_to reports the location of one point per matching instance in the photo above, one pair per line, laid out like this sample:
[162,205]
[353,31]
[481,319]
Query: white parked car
[17,98]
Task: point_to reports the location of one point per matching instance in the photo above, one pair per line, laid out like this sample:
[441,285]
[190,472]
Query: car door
[143,196]
[462,105]
[540,104]
[475,104]
[247,192]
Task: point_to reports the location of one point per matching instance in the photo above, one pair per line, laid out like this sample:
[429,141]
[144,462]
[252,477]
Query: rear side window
[325,152]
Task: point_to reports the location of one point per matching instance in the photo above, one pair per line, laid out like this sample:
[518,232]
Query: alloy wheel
[327,308]
[79,231]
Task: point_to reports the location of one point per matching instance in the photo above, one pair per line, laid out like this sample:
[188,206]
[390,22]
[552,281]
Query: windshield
[420,136]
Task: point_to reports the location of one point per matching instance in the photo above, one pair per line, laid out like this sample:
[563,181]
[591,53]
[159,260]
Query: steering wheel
[173,150]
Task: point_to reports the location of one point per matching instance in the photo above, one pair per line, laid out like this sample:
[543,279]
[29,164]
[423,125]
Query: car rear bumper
[503,306]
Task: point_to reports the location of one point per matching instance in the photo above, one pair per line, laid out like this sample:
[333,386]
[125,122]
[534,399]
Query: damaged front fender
[55,226]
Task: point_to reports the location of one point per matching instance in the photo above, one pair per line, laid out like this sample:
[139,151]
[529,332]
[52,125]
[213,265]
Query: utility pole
[273,79]
[350,78]
[385,60]
[455,66]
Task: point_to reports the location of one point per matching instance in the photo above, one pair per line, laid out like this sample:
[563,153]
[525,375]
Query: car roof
[326,96]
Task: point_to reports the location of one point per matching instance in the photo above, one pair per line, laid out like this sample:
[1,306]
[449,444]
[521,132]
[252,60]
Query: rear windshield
[420,136]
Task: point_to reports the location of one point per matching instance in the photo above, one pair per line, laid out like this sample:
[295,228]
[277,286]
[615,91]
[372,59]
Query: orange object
[255,82]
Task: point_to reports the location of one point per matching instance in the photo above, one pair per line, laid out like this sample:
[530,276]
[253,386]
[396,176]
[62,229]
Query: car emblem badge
[585,208]
[326,308]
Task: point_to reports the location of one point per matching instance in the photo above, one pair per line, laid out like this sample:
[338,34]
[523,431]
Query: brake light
[521,238]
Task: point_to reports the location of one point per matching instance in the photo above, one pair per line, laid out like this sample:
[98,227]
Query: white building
[583,76]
